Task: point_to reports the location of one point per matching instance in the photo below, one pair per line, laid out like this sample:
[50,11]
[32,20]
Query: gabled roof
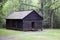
[19,15]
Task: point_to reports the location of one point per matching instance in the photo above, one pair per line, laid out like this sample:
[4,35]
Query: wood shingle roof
[19,15]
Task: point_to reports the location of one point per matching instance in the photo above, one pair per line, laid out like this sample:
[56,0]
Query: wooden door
[33,25]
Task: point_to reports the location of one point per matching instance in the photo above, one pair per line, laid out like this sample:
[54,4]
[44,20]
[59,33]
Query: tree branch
[56,8]
[52,4]
[29,5]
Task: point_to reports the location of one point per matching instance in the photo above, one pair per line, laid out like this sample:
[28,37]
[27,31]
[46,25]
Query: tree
[48,11]
[45,8]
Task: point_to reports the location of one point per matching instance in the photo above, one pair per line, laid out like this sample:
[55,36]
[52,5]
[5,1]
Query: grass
[53,34]
[5,32]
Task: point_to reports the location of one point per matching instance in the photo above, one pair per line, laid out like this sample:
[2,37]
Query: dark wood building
[24,20]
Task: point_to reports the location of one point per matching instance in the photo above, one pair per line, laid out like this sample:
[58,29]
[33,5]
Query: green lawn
[53,34]
[5,32]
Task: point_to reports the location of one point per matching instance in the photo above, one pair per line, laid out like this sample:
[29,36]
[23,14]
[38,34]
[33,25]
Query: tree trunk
[42,12]
[51,19]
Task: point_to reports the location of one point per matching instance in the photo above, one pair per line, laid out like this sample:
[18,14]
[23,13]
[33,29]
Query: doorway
[33,25]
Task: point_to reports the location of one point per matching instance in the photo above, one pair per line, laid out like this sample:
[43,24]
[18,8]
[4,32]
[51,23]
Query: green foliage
[52,5]
[15,5]
[9,6]
[57,18]
[1,14]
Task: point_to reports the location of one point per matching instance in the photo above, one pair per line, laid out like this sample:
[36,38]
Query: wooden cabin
[24,20]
